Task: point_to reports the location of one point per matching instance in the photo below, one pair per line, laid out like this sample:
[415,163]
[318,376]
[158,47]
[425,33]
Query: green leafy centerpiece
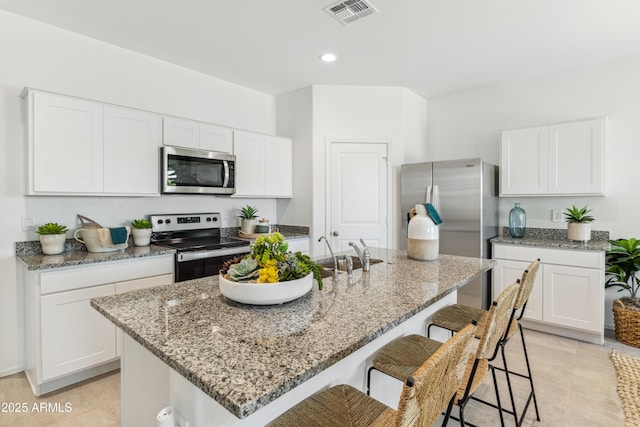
[141,231]
[270,274]
[578,223]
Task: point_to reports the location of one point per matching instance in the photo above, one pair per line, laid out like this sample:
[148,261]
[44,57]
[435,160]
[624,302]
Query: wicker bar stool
[427,392]
[456,316]
[404,354]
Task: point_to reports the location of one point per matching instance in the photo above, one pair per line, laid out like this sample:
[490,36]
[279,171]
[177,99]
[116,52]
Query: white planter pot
[248,226]
[265,293]
[578,232]
[52,244]
[141,236]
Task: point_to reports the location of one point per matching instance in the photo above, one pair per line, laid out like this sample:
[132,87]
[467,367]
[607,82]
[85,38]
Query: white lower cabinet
[568,294]
[66,339]
[299,245]
[74,335]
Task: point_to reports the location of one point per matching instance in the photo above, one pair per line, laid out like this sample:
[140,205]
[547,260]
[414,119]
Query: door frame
[327,182]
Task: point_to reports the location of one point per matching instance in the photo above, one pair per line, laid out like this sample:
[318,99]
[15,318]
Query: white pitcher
[423,238]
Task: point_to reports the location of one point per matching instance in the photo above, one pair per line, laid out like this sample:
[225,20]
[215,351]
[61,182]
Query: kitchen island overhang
[245,357]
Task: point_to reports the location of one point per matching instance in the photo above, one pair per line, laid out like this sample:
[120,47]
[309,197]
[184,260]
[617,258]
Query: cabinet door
[506,272]
[278,160]
[573,297]
[74,335]
[250,167]
[131,151]
[180,132]
[67,145]
[523,161]
[576,155]
[216,138]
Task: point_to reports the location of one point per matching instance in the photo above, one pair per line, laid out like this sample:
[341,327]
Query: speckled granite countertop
[39,261]
[555,239]
[246,356]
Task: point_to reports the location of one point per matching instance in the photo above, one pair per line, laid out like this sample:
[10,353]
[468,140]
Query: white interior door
[358,199]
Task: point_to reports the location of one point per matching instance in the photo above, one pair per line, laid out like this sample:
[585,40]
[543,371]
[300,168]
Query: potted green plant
[248,219]
[141,232]
[578,223]
[52,238]
[623,264]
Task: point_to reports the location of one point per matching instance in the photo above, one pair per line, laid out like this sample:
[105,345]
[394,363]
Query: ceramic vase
[52,244]
[580,232]
[423,241]
[141,236]
[248,226]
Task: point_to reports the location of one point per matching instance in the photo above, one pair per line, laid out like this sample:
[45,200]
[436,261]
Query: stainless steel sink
[327,266]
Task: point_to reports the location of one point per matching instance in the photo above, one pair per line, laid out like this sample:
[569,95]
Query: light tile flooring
[575,384]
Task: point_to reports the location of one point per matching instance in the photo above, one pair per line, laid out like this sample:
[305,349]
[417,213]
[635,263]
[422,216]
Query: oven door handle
[225,184]
[190,256]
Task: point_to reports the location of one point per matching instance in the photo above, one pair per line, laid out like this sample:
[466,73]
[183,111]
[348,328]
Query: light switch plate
[556,215]
[27,223]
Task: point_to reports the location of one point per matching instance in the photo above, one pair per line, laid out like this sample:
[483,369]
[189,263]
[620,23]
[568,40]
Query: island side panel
[144,384]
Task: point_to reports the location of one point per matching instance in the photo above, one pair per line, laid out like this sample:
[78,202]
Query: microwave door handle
[225,184]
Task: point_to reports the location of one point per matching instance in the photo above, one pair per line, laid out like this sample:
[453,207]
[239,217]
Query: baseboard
[590,337]
[11,370]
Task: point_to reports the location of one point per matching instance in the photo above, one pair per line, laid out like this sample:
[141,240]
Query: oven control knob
[208,219]
[215,218]
[168,221]
[160,221]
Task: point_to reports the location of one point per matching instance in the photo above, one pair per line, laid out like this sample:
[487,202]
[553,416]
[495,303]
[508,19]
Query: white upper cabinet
[216,138]
[65,141]
[81,147]
[185,133]
[131,151]
[264,165]
[561,159]
[576,158]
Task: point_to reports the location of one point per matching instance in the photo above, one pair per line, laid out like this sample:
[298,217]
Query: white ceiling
[429,46]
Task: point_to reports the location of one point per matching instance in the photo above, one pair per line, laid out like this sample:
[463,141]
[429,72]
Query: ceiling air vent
[347,11]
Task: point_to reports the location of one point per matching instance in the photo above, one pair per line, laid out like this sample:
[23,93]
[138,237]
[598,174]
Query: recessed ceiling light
[328,57]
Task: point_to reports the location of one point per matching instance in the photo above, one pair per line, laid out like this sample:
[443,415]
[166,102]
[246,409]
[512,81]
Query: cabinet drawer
[144,283]
[587,259]
[83,277]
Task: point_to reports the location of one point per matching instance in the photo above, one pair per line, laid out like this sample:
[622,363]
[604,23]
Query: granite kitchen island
[223,363]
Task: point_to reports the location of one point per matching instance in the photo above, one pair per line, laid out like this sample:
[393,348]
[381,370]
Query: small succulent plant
[579,216]
[245,270]
[52,228]
[248,212]
[227,264]
[141,223]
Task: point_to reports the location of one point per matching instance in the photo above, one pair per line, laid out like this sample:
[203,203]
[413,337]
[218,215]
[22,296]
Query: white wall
[295,120]
[466,125]
[37,55]
[391,114]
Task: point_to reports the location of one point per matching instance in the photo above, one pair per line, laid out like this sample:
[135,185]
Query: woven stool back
[526,284]
[428,391]
[496,321]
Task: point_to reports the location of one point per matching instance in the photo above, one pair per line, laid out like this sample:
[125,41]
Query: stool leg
[495,386]
[506,372]
[526,358]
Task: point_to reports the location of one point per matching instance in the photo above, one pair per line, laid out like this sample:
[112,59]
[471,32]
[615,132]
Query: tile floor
[575,384]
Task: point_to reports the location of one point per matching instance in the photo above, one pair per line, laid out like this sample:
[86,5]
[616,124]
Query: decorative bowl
[265,293]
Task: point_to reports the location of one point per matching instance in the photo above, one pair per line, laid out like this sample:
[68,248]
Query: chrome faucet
[335,260]
[365,257]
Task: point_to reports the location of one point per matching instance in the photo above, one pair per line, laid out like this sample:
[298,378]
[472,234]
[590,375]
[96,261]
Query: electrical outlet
[556,215]
[27,223]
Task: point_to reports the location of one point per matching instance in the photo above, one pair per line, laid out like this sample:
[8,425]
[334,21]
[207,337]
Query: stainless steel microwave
[187,171]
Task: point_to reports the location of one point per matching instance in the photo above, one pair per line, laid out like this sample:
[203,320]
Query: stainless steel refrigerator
[467,202]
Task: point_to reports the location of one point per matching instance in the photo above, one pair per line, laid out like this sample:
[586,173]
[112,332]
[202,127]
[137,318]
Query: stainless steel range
[200,250]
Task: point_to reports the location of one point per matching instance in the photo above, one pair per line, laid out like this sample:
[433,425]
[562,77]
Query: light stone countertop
[246,356]
[70,257]
[554,239]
